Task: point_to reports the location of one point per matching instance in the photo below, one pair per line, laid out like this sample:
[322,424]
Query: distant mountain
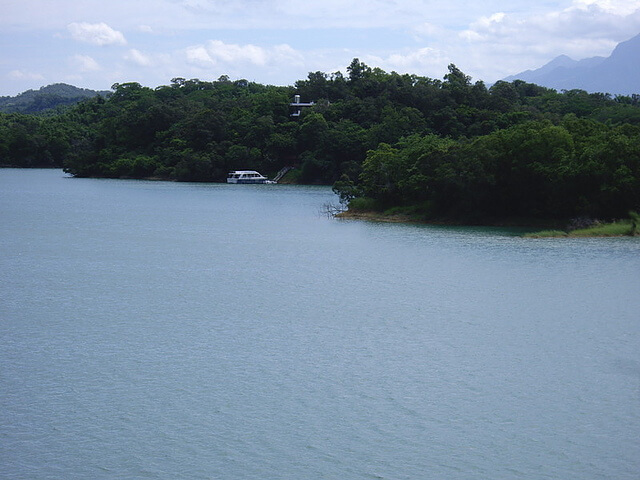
[47,98]
[618,74]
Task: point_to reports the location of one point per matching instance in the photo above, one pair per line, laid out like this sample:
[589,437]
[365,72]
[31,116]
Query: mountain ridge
[47,98]
[617,74]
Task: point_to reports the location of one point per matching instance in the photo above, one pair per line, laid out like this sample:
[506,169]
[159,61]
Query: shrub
[363,204]
[635,223]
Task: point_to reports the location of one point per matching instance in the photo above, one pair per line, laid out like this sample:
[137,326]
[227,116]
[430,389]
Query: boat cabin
[246,176]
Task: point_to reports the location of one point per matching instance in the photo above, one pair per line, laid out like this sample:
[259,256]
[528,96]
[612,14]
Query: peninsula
[451,149]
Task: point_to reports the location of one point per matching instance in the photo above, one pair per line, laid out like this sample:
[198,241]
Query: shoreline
[405,218]
[539,228]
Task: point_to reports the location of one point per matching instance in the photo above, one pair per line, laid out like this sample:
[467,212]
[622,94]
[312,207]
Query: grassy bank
[622,228]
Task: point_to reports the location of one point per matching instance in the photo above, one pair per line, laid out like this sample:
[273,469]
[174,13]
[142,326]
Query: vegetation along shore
[449,150]
[540,228]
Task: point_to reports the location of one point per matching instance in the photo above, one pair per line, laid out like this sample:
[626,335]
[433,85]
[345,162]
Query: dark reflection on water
[167,330]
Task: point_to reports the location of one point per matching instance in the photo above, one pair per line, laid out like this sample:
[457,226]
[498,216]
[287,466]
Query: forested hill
[47,98]
[451,146]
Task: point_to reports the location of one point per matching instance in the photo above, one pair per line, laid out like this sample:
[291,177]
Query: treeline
[453,145]
[579,167]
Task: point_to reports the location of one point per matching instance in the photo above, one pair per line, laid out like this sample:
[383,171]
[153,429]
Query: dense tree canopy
[533,169]
[453,146]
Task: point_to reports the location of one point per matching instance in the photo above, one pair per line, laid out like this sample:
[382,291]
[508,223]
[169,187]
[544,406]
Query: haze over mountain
[618,74]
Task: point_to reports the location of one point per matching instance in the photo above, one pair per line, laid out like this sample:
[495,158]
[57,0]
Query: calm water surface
[203,331]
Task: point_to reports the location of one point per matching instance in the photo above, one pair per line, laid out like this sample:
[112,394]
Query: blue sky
[95,43]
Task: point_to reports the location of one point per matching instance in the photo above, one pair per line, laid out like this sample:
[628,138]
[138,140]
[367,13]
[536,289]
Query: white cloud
[616,7]
[239,14]
[417,61]
[96,34]
[492,21]
[216,52]
[280,41]
[281,14]
[199,57]
[610,19]
[22,75]
[499,44]
[285,54]
[84,63]
[326,14]
[138,58]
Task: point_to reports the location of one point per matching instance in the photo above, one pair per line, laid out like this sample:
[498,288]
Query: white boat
[247,176]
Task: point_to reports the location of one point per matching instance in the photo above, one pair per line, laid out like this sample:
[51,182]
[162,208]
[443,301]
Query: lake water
[205,331]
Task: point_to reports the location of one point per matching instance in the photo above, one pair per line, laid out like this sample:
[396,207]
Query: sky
[96,43]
